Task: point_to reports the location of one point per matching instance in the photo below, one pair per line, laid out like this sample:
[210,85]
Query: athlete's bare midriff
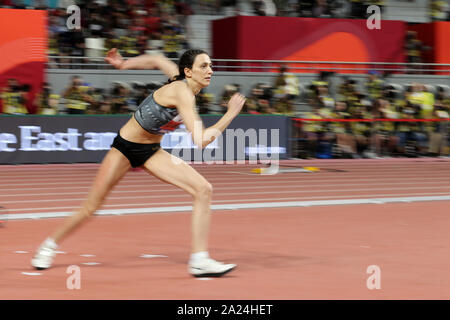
[133,132]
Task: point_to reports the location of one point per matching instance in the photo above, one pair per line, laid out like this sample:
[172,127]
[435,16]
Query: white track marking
[251,187]
[317,162]
[148,180]
[177,194]
[311,182]
[150,256]
[260,205]
[129,205]
[343,163]
[32,273]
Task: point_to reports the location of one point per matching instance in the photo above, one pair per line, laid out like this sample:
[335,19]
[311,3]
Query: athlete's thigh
[113,167]
[174,170]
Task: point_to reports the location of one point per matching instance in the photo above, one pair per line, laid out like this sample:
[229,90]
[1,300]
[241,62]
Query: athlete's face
[201,71]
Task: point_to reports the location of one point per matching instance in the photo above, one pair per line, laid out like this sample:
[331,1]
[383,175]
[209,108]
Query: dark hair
[186,61]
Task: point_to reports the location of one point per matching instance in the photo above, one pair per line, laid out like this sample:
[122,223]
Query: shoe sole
[40,269]
[212,275]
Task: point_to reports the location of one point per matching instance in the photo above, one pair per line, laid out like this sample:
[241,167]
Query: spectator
[361,130]
[263,7]
[344,90]
[229,7]
[317,133]
[286,89]
[322,97]
[413,49]
[46,102]
[384,137]
[438,10]
[228,92]
[357,9]
[204,101]
[97,25]
[119,99]
[282,7]
[98,97]
[374,86]
[105,108]
[345,140]
[320,9]
[404,130]
[423,102]
[183,10]
[76,97]
[14,98]
[438,135]
[258,7]
[305,8]
[172,43]
[153,22]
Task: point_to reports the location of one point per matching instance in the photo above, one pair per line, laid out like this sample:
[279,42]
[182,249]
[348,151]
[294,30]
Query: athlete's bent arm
[201,136]
[144,61]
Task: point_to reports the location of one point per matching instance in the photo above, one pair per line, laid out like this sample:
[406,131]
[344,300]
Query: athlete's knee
[89,208]
[205,189]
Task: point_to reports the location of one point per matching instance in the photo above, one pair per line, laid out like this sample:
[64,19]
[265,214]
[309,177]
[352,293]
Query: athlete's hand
[236,103]
[113,57]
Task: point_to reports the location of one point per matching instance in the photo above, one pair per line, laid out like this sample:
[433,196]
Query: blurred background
[347,85]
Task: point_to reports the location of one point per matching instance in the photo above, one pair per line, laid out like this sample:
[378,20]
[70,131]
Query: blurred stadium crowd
[151,26]
[80,97]
[160,27]
[381,120]
[328,125]
[437,9]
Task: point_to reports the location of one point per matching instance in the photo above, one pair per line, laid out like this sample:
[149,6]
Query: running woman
[138,145]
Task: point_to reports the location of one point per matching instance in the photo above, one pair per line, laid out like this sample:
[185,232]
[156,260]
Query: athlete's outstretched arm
[186,108]
[144,61]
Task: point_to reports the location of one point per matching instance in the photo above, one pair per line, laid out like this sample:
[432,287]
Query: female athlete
[138,145]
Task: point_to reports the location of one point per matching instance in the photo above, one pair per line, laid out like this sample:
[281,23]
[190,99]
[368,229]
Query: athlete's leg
[112,169]
[175,171]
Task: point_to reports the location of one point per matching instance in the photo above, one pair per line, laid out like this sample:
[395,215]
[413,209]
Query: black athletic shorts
[136,153]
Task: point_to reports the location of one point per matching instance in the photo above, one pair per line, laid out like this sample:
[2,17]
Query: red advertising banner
[23,45]
[442,44]
[434,36]
[307,39]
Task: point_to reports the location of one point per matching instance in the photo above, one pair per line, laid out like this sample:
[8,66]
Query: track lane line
[236,206]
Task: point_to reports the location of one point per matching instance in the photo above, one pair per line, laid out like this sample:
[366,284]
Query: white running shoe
[208,267]
[44,255]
